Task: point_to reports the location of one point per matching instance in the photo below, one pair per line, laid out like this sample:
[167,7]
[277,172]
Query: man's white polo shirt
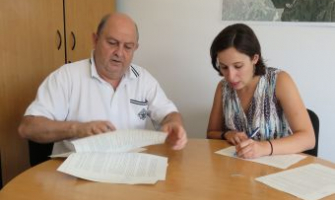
[75,92]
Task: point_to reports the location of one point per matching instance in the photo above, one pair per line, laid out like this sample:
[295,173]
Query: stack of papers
[309,182]
[279,161]
[108,158]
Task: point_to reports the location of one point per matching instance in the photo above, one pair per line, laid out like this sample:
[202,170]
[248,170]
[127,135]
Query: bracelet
[271,147]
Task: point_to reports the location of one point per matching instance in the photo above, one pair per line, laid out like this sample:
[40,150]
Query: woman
[256,108]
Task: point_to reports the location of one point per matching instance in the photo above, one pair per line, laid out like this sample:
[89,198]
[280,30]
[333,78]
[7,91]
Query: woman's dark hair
[243,39]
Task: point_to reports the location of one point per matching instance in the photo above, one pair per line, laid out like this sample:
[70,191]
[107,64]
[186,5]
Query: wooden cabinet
[81,20]
[37,36]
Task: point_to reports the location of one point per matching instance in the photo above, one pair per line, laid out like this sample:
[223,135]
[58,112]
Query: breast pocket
[140,108]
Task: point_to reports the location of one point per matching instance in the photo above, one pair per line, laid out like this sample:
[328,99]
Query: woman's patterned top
[264,111]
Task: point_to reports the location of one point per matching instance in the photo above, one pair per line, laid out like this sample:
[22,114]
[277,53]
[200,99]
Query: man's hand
[44,130]
[91,128]
[172,125]
[176,138]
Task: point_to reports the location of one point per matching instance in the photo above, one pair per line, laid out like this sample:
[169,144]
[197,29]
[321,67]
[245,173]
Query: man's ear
[94,39]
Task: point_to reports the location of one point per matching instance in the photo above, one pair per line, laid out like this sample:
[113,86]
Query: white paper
[130,168]
[119,141]
[110,157]
[61,155]
[309,182]
[65,155]
[279,161]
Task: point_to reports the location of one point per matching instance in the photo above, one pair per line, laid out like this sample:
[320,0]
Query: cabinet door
[31,32]
[81,20]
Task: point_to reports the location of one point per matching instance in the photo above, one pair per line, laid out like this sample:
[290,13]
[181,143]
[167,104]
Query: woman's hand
[235,137]
[250,148]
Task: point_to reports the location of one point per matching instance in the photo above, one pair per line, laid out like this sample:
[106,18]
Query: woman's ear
[255,59]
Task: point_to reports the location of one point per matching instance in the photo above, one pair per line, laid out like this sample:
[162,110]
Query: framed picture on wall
[279,10]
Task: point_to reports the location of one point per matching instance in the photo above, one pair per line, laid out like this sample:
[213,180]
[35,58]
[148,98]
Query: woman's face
[236,67]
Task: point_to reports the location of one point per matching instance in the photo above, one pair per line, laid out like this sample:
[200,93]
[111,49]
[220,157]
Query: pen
[254,133]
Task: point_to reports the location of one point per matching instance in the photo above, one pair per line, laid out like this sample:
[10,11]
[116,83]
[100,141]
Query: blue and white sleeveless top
[264,112]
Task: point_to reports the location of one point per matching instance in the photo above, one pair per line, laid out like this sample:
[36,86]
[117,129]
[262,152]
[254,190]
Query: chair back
[39,152]
[316,124]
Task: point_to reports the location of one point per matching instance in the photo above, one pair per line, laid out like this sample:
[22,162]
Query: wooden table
[193,173]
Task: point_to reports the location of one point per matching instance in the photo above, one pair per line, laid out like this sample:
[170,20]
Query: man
[101,94]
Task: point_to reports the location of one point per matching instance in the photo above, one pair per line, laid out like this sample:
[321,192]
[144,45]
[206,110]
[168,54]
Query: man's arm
[44,130]
[173,125]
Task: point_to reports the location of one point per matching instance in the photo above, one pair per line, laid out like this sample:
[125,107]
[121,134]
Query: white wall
[175,37]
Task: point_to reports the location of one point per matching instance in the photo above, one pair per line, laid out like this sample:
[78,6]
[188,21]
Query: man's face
[114,48]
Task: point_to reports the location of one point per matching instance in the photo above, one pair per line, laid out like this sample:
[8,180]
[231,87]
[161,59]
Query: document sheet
[110,157]
[279,161]
[115,141]
[129,168]
[119,141]
[309,182]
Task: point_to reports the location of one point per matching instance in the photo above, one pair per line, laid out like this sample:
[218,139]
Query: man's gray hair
[102,24]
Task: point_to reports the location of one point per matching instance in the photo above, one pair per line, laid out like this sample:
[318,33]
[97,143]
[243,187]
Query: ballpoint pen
[254,133]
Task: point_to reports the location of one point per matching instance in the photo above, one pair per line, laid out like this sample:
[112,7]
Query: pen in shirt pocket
[254,132]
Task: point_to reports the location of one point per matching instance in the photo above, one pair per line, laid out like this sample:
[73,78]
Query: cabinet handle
[60,40]
[74,40]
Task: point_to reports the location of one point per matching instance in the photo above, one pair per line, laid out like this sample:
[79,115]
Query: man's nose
[119,51]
